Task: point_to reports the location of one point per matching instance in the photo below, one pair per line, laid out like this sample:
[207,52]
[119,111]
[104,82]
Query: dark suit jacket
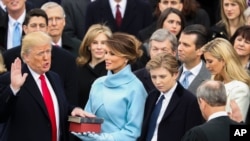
[144,76]
[181,114]
[137,16]
[72,45]
[145,34]
[29,119]
[86,76]
[62,62]
[75,11]
[2,13]
[217,129]
[204,74]
[4,27]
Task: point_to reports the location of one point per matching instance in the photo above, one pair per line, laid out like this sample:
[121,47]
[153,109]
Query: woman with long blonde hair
[224,64]
[232,17]
[90,60]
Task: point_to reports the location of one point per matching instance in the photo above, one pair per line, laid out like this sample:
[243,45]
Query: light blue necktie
[153,119]
[185,82]
[16,39]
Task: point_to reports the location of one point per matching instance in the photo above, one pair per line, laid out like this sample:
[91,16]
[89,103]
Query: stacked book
[85,124]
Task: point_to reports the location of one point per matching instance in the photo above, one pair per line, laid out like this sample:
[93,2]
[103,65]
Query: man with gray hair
[56,24]
[212,99]
[160,41]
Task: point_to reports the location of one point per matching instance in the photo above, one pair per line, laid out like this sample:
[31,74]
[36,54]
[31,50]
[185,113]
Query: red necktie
[118,16]
[50,106]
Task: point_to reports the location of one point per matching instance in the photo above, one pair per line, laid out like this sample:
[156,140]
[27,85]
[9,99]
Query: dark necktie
[153,118]
[185,82]
[50,106]
[118,16]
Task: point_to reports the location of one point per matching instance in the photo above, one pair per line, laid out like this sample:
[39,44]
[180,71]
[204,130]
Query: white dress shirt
[53,96]
[11,28]
[168,95]
[195,71]
[122,8]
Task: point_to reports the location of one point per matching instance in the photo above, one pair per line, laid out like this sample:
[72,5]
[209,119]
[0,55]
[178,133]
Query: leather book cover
[78,119]
[84,127]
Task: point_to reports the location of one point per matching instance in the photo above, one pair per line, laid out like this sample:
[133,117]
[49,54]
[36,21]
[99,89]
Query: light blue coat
[119,99]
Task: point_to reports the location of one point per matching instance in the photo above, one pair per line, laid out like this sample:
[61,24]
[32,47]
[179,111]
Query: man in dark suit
[75,11]
[161,41]
[16,13]
[191,40]
[135,14]
[22,95]
[56,25]
[212,99]
[179,108]
[63,62]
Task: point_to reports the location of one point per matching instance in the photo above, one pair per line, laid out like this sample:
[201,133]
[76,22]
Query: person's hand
[88,136]
[83,136]
[235,113]
[16,76]
[77,111]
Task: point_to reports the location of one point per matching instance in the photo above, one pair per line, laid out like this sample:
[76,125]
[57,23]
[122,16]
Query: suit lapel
[33,90]
[151,101]
[199,78]
[107,12]
[175,99]
[129,13]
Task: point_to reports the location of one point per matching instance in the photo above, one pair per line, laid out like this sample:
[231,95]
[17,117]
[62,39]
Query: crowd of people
[152,69]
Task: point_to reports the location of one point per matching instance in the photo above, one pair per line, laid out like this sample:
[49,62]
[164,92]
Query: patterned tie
[50,106]
[118,16]
[16,39]
[153,119]
[185,82]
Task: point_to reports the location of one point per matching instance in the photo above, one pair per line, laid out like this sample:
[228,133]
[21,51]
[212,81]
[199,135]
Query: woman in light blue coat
[119,97]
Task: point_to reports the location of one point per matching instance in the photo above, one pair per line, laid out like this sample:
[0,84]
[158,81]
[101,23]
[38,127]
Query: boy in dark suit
[178,112]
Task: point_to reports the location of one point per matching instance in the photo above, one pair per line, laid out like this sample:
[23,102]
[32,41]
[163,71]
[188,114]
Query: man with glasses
[56,23]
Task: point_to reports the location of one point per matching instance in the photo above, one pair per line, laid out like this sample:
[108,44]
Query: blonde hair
[222,49]
[167,61]
[2,66]
[32,40]
[93,31]
[242,20]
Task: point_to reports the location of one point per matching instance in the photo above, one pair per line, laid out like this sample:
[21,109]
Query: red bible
[83,124]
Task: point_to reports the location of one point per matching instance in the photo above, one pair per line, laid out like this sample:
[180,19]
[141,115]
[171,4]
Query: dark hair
[36,12]
[125,45]
[166,13]
[243,31]
[200,31]
[189,7]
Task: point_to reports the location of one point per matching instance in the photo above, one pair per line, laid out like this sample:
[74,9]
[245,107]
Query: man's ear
[25,29]
[180,6]
[202,103]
